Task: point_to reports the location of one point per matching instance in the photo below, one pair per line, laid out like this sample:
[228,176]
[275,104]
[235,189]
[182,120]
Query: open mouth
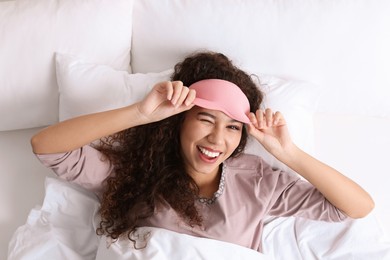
[208,153]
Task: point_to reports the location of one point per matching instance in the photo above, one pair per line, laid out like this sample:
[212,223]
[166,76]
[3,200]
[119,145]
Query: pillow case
[297,100]
[31,32]
[86,87]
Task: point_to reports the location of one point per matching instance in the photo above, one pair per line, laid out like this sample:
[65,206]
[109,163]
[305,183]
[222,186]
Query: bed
[324,64]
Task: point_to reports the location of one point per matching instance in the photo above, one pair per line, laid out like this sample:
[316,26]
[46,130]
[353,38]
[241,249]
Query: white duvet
[64,228]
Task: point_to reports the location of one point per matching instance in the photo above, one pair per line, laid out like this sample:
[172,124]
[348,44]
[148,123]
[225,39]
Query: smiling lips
[208,153]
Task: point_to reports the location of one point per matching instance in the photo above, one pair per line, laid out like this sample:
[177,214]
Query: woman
[175,160]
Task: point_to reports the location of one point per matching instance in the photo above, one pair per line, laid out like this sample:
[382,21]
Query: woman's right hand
[164,100]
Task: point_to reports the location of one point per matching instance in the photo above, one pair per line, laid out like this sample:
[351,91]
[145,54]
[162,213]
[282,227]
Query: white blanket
[297,238]
[64,228]
[167,245]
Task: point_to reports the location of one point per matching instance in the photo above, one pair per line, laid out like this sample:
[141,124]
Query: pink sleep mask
[222,95]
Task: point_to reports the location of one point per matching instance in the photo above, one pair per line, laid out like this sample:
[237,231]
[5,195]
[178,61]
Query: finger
[190,97]
[260,118]
[278,119]
[269,117]
[255,132]
[252,118]
[168,88]
[177,88]
[187,104]
[182,97]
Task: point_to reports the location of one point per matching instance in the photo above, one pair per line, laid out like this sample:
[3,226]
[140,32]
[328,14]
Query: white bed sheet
[64,228]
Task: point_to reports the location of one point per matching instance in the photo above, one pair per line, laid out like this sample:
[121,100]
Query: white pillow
[297,101]
[31,32]
[86,87]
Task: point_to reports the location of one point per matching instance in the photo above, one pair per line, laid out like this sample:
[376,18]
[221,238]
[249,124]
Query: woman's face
[208,137]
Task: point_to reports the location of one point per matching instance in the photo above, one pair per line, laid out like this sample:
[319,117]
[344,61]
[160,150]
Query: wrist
[290,155]
[135,115]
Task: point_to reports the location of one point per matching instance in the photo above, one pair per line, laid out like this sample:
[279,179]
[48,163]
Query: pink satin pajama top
[249,191]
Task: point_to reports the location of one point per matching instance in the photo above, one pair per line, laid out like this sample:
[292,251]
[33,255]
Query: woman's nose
[216,136]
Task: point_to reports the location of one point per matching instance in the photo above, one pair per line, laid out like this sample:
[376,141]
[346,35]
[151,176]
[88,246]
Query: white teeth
[208,153]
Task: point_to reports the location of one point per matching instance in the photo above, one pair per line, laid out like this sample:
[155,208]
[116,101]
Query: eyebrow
[214,117]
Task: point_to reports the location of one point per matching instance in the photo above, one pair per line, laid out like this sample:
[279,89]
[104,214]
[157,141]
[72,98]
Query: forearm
[164,100]
[74,133]
[341,191]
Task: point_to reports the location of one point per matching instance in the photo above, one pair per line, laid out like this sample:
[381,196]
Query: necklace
[220,190]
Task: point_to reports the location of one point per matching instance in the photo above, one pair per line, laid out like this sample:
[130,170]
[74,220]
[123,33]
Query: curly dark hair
[147,160]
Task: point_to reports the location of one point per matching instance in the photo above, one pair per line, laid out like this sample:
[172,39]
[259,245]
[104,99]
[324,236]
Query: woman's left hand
[270,129]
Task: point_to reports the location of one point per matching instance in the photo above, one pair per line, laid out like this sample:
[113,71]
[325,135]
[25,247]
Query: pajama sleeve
[85,166]
[293,196]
